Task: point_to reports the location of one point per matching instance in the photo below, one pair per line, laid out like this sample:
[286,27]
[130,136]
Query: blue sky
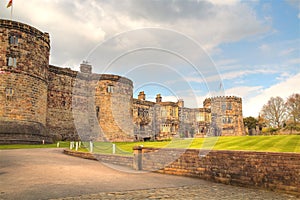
[181,49]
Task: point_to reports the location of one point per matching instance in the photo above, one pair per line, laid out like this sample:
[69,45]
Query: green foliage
[250,122]
[269,130]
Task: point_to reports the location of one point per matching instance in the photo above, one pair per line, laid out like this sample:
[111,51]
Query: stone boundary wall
[272,171]
[106,158]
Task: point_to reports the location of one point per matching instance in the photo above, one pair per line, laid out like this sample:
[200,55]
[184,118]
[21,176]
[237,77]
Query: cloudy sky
[181,49]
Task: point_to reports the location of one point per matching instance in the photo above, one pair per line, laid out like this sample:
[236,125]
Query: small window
[110,89]
[97,111]
[223,107]
[9,93]
[142,128]
[12,62]
[13,40]
[63,103]
[229,106]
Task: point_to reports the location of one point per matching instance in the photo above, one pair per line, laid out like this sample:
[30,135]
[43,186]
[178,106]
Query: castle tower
[226,115]
[114,106]
[24,61]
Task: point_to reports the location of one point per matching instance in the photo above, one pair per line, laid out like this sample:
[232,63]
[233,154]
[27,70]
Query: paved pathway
[49,174]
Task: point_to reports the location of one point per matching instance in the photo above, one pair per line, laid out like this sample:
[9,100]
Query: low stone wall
[106,158]
[273,171]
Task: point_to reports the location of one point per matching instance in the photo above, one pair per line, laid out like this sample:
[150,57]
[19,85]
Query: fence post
[76,148]
[71,146]
[57,145]
[114,148]
[91,147]
[137,157]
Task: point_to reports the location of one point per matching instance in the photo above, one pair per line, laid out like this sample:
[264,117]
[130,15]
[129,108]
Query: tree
[293,107]
[293,110]
[275,112]
[250,123]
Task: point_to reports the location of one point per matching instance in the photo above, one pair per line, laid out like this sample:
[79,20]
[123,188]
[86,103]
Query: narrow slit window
[97,111]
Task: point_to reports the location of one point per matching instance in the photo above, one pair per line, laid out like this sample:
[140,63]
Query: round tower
[226,115]
[102,106]
[114,98]
[24,61]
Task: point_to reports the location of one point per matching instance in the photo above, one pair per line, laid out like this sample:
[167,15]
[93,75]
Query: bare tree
[275,112]
[293,107]
[293,110]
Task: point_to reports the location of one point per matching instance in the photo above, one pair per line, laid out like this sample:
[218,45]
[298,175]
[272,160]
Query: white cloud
[75,27]
[287,51]
[294,61]
[253,105]
[243,91]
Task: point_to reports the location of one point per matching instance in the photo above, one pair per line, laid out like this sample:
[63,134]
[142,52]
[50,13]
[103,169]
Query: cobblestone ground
[216,192]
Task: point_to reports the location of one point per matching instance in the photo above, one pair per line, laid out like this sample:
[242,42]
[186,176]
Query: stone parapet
[272,171]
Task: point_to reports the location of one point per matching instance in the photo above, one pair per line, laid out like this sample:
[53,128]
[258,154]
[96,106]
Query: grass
[277,143]
[30,146]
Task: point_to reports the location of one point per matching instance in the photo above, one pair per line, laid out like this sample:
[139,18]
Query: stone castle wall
[226,115]
[89,106]
[60,120]
[24,58]
[166,120]
[43,102]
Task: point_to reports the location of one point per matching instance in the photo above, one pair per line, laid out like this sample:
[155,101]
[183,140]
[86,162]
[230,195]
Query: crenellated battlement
[4,23]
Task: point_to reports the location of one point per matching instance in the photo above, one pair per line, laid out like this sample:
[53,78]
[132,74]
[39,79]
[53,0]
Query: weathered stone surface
[273,171]
[73,105]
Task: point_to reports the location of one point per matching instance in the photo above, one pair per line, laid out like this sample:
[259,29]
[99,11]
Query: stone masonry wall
[273,171]
[23,85]
[113,96]
[105,158]
[60,121]
[226,115]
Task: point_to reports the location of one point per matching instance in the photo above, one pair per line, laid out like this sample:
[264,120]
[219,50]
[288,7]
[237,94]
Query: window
[229,106]
[165,128]
[227,120]
[143,112]
[97,111]
[142,128]
[13,40]
[9,93]
[223,106]
[12,62]
[110,89]
[63,103]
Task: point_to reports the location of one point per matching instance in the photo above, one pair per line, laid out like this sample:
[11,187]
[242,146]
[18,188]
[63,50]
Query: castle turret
[24,62]
[226,115]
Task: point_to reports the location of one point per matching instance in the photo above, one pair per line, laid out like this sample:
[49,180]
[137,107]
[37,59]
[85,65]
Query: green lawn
[29,146]
[277,143]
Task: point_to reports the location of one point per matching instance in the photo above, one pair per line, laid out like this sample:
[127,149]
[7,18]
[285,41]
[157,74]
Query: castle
[41,102]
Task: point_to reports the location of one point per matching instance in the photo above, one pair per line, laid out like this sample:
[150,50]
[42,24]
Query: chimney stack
[158,98]
[142,96]
[85,67]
